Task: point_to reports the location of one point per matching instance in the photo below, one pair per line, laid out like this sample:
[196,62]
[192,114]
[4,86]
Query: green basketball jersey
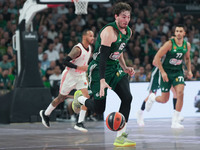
[116,47]
[174,58]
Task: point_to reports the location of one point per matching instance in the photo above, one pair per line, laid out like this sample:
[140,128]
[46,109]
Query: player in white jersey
[73,77]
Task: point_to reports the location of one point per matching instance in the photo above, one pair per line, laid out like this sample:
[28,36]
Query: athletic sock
[119,133]
[49,109]
[143,106]
[82,100]
[81,116]
[174,103]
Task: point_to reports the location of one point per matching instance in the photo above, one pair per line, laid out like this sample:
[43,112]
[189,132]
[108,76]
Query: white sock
[82,99]
[49,109]
[140,111]
[119,133]
[176,115]
[81,116]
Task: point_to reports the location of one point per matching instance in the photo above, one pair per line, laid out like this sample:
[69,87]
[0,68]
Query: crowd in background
[59,29]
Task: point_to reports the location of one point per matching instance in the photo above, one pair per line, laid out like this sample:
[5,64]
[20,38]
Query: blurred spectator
[3,48]
[163,40]
[54,80]
[52,33]
[40,53]
[57,45]
[5,65]
[5,82]
[151,49]
[50,70]
[60,61]
[142,75]
[139,25]
[53,55]
[45,63]
[162,27]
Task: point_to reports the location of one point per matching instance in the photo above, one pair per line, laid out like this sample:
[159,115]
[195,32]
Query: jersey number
[179,55]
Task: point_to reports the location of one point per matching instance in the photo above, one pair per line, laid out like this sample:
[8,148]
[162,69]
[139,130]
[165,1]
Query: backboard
[67,1]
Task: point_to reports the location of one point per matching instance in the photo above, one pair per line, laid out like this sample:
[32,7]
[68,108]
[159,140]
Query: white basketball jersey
[80,60]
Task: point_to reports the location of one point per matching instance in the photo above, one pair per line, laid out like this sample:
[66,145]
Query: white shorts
[70,82]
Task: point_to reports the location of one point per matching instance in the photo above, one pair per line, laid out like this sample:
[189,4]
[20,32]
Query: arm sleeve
[68,63]
[104,54]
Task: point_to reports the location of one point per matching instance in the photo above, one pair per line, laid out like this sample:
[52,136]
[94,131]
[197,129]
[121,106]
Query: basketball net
[80,6]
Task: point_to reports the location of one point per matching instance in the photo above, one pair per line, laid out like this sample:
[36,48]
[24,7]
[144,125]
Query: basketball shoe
[150,101]
[175,121]
[76,106]
[140,119]
[122,141]
[80,126]
[45,119]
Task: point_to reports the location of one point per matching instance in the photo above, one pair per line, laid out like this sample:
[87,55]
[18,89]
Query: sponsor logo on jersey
[175,61]
[115,55]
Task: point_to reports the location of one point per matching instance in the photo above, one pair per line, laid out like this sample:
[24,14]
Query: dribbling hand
[103,85]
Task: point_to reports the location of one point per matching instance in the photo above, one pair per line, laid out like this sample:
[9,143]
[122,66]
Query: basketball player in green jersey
[108,69]
[153,87]
[175,50]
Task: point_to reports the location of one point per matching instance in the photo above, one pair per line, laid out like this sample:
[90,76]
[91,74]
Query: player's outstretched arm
[75,52]
[157,59]
[188,61]
[129,70]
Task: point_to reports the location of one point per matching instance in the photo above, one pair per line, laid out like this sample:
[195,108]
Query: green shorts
[114,73]
[175,77]
[154,82]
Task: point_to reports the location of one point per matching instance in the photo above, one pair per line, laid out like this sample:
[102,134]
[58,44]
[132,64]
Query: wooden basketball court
[156,135]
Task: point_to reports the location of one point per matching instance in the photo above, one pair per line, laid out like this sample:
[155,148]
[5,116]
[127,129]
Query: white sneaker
[80,126]
[180,119]
[176,125]
[150,101]
[140,119]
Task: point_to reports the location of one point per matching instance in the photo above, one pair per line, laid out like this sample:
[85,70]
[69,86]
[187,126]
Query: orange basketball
[115,121]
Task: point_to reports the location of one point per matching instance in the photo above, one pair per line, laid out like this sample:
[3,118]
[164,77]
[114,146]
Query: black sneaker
[45,119]
[80,126]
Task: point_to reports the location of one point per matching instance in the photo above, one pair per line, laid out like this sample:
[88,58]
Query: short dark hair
[180,25]
[85,32]
[120,7]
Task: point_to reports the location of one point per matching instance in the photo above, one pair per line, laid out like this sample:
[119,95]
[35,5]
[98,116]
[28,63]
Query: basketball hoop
[80,6]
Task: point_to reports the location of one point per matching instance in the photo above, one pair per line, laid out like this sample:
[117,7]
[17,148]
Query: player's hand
[130,71]
[103,85]
[165,77]
[189,75]
[83,68]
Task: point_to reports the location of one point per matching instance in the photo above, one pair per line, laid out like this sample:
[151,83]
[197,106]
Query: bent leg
[179,92]
[123,91]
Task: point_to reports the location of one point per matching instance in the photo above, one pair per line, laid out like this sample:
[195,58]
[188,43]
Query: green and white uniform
[114,72]
[173,66]
[154,82]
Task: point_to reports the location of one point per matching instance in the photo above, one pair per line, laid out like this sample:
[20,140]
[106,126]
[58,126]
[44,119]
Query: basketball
[115,121]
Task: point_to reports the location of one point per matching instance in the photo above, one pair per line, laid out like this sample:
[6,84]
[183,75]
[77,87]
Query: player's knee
[127,99]
[179,93]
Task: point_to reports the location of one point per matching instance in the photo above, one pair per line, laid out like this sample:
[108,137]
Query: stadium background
[59,29]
